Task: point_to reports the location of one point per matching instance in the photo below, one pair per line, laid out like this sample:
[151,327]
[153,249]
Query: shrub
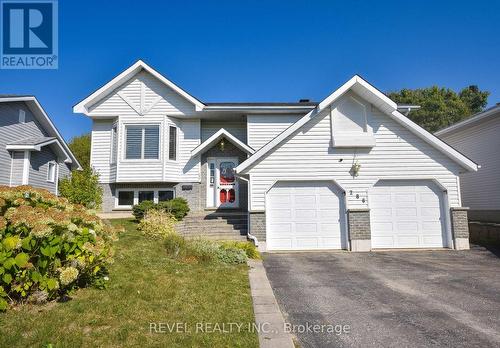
[140,209]
[248,247]
[175,245]
[177,207]
[48,246]
[157,224]
[231,255]
[82,187]
[202,250]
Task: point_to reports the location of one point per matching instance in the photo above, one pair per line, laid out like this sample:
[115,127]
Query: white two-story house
[350,172]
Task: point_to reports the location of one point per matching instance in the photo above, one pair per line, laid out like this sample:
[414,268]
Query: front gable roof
[380,101]
[221,133]
[83,106]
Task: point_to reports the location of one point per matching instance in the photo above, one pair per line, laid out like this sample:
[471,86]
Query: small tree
[82,187]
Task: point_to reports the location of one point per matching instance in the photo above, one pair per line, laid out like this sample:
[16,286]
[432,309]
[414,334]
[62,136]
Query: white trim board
[380,101]
[221,133]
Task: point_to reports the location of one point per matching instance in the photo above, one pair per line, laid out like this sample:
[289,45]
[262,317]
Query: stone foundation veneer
[257,225]
[460,227]
[359,229]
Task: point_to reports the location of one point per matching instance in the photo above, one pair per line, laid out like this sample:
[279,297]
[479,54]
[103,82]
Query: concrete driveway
[389,299]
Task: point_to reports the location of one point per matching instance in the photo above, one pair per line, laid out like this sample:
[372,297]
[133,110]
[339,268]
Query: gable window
[22,116]
[114,144]
[172,143]
[51,172]
[142,142]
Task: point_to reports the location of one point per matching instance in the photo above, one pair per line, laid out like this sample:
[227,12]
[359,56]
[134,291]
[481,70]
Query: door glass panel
[232,196]
[227,172]
[223,196]
[146,196]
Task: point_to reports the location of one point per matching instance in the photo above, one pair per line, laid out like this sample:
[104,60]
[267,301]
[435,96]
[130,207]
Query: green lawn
[145,287]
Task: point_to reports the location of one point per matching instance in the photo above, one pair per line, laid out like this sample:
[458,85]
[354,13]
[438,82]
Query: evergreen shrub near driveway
[49,246]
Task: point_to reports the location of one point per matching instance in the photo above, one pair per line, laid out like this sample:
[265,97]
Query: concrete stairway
[215,225]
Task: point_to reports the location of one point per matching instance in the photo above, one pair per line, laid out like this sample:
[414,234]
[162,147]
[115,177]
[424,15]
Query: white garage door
[304,216]
[407,214]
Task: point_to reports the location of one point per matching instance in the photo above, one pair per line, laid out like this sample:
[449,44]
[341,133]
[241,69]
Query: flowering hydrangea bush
[48,246]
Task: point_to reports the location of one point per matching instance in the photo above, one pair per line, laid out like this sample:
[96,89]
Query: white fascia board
[378,99]
[469,121]
[22,147]
[82,107]
[221,133]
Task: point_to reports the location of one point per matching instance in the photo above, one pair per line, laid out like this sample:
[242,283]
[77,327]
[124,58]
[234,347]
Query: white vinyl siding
[481,143]
[308,153]
[100,155]
[264,128]
[163,113]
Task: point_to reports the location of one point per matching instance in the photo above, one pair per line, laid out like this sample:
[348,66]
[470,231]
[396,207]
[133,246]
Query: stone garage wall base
[460,228]
[359,229]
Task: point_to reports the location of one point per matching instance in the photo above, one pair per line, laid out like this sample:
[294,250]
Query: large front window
[142,142]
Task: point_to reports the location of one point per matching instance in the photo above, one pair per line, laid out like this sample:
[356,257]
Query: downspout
[249,235]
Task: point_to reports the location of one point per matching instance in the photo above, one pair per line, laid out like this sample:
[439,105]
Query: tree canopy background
[441,107]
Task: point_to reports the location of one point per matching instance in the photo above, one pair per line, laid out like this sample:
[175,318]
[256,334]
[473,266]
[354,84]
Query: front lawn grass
[144,287]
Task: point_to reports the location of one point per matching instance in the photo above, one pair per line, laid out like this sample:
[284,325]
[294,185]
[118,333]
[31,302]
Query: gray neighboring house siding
[478,137]
[12,162]
[38,171]
[11,130]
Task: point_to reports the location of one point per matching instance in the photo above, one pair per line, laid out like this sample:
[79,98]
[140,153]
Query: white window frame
[136,195]
[22,116]
[176,143]
[142,159]
[54,173]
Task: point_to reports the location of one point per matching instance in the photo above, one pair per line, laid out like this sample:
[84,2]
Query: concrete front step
[215,225]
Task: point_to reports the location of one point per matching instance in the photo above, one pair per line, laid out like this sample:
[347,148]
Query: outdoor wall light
[355,169]
[222,144]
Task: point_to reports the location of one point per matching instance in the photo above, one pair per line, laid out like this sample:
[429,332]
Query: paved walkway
[267,313]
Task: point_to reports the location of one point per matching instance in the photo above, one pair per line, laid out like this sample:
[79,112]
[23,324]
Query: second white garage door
[304,216]
[407,214]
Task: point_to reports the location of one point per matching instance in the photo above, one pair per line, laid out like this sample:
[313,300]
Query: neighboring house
[478,137]
[32,152]
[351,172]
